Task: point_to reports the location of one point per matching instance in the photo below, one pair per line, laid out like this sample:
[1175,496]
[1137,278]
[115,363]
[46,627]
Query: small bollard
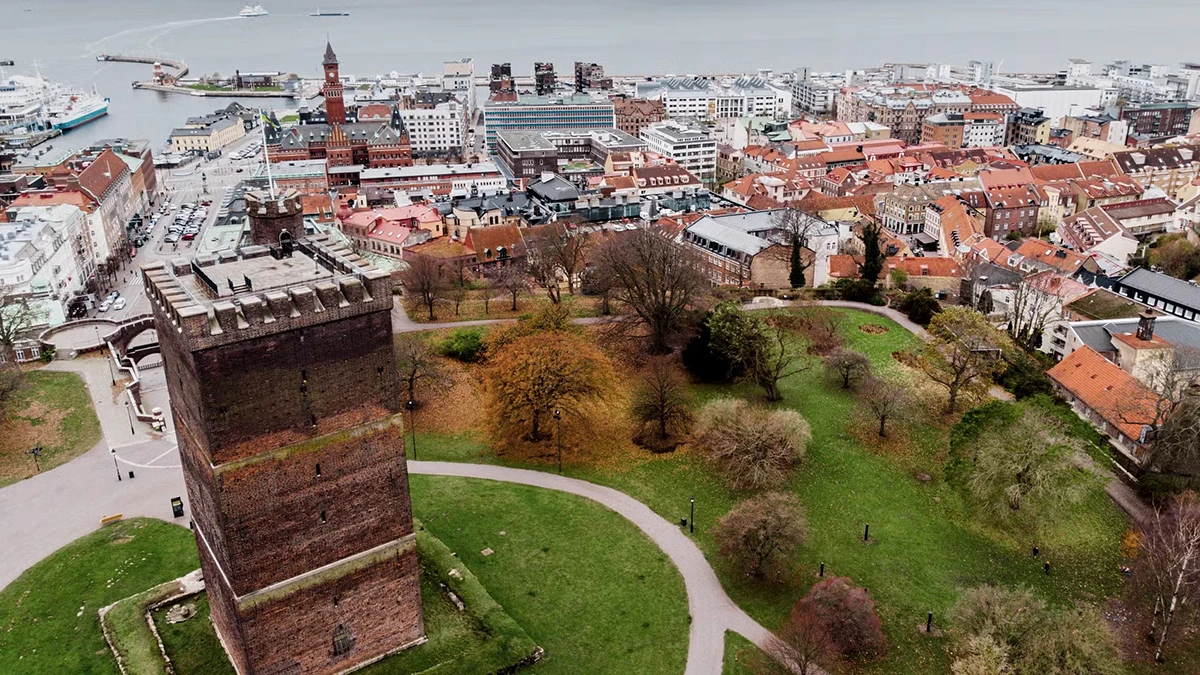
[867,533]
[929,623]
[1047,567]
[822,572]
[1035,551]
[683,521]
[131,475]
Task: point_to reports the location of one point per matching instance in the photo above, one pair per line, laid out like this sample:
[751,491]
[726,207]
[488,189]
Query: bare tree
[797,226]
[1032,306]
[512,279]
[457,292]
[17,316]
[776,357]
[1171,555]
[656,280]
[541,261]
[886,399]
[848,365]
[423,280]
[661,404]
[760,536]
[800,646]
[416,362]
[554,253]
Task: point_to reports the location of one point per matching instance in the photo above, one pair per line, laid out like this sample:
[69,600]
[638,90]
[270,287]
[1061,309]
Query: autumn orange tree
[528,378]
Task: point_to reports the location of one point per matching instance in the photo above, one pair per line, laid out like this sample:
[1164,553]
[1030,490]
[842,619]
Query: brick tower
[270,217]
[335,106]
[285,395]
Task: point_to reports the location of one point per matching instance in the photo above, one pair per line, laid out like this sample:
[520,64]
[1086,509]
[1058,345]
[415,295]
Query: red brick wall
[380,606]
[272,510]
[263,394]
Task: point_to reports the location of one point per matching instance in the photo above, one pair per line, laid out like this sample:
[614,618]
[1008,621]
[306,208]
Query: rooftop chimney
[1145,329]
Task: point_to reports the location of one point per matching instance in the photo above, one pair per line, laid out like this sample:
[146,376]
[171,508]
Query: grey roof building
[1162,292]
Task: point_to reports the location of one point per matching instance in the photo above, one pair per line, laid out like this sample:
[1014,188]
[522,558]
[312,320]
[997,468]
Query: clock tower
[335,106]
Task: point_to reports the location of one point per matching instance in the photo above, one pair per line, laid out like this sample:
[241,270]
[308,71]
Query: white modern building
[42,250]
[441,128]
[1055,102]
[459,77]
[703,98]
[688,145]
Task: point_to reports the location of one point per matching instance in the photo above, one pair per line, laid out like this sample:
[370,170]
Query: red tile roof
[1067,262]
[1106,389]
[100,175]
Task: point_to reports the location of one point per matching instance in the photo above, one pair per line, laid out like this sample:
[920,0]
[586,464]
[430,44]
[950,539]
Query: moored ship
[75,110]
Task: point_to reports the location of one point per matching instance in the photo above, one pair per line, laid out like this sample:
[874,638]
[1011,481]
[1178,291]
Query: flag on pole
[267,120]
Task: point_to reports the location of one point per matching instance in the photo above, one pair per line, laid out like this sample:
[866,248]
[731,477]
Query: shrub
[1009,630]
[848,613]
[1024,376]
[858,290]
[753,448]
[760,536]
[919,306]
[464,344]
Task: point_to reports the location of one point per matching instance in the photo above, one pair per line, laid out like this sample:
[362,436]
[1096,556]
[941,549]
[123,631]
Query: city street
[205,180]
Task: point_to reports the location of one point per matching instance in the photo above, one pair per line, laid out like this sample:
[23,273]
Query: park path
[41,514]
[712,611]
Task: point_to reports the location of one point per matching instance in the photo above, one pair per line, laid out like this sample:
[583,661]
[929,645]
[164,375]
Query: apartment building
[690,146]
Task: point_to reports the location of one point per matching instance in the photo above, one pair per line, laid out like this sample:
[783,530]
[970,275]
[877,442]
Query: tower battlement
[271,217]
[238,295]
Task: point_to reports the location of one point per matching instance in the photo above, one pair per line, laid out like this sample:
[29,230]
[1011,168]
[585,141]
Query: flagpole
[262,124]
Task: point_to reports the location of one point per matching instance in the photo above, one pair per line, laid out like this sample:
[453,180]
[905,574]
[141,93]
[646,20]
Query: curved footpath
[712,611]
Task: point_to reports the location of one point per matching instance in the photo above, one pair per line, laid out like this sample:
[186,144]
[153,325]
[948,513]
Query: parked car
[114,295]
[171,238]
[119,304]
[104,306]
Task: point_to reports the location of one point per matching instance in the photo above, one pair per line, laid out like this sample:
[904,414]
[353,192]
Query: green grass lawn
[738,652]
[48,616]
[53,410]
[927,545]
[463,642]
[192,645]
[585,583]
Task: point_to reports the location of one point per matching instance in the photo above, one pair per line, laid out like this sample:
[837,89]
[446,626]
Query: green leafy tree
[964,352]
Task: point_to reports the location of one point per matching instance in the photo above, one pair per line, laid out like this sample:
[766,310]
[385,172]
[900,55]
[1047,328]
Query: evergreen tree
[873,256]
[796,276]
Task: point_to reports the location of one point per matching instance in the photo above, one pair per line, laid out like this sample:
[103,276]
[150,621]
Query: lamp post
[115,466]
[558,436]
[130,416]
[412,424]
[36,451]
[692,518]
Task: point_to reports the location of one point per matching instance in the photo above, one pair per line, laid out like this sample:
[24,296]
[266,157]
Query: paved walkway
[41,514]
[712,611]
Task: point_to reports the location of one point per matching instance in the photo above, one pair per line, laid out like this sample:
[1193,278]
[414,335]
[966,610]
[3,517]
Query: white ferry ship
[75,110]
[256,10]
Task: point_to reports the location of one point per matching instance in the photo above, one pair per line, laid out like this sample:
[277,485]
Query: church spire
[330,57]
